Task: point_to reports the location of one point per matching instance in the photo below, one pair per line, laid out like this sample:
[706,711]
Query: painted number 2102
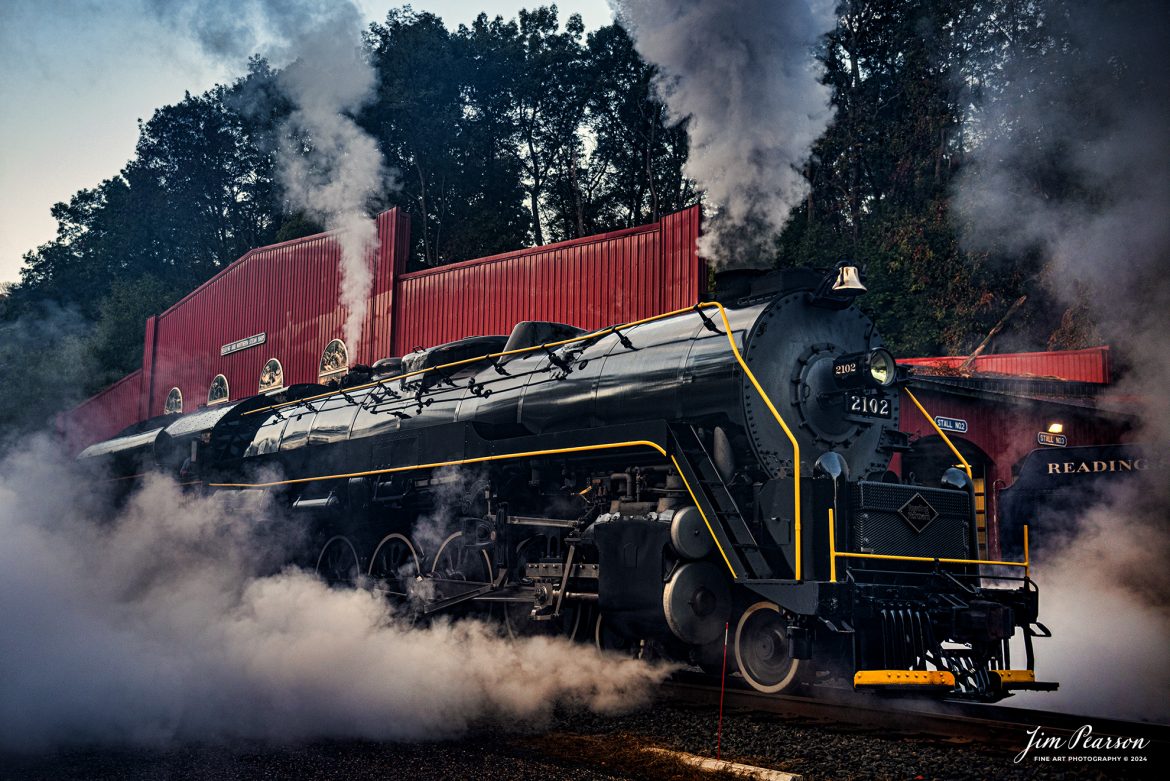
[870,406]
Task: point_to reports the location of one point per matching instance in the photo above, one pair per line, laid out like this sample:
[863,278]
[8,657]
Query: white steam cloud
[1103,591]
[1073,163]
[174,621]
[233,30]
[328,166]
[745,73]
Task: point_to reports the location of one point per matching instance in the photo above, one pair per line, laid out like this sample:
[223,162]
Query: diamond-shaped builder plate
[918,512]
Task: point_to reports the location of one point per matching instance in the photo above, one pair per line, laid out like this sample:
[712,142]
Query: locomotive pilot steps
[643,486]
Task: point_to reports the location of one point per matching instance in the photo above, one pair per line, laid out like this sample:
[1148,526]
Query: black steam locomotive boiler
[654,486]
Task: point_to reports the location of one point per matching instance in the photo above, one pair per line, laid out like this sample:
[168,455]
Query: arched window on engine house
[218,393]
[334,362]
[271,376]
[174,402]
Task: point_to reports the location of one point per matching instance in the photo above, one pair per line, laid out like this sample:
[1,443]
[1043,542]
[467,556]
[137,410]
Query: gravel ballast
[575,746]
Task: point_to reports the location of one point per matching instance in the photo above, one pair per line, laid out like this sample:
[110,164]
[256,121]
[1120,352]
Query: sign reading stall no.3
[1051,440]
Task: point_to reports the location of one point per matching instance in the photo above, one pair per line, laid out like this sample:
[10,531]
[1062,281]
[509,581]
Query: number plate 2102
[868,406]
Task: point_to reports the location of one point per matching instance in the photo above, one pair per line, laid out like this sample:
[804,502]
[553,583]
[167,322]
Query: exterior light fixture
[875,369]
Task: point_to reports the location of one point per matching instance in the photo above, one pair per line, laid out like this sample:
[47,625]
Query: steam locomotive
[713,475]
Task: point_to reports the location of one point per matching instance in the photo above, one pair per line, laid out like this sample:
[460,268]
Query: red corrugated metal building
[105,414]
[1088,365]
[281,302]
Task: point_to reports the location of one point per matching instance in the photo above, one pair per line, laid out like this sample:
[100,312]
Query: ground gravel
[823,754]
[574,746]
[477,757]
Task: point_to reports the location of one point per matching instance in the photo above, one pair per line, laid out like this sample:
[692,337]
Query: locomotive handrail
[458,462]
[697,308]
[835,554]
[930,419]
[832,545]
[1027,557]
[499,457]
[476,359]
[891,557]
[787,432]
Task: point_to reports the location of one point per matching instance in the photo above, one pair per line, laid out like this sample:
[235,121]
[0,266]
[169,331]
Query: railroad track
[995,726]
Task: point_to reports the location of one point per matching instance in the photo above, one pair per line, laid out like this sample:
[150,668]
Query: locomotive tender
[646,487]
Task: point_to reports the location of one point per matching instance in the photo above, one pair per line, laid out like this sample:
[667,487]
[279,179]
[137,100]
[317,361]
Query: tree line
[525,131]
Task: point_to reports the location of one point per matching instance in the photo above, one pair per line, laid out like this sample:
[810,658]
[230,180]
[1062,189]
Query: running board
[917,680]
[1020,680]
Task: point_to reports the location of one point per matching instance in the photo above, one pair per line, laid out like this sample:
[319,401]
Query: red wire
[722,688]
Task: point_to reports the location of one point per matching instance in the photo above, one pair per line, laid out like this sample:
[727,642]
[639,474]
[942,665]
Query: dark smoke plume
[1072,164]
[745,73]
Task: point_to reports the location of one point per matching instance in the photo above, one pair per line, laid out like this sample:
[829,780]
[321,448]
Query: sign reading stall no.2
[957,425]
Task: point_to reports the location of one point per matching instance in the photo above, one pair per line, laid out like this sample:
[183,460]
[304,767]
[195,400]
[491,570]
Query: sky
[77,75]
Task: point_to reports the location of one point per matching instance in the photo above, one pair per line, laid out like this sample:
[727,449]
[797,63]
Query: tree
[198,194]
[548,71]
[115,341]
[47,365]
[493,218]
[881,177]
[638,159]
[204,186]
[415,117]
[96,233]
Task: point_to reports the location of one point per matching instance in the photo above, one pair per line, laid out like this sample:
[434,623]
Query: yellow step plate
[940,678]
[1008,678]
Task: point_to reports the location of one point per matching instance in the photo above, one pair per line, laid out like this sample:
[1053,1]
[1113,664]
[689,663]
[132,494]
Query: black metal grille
[878,525]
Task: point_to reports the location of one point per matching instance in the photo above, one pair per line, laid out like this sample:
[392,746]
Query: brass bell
[848,281]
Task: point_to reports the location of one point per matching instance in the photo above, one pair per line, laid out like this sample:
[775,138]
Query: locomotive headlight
[875,369]
[882,370]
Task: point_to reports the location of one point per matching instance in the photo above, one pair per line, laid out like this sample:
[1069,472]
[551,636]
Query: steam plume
[328,166]
[1074,164]
[173,621]
[744,71]
[333,169]
[1102,593]
[233,30]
